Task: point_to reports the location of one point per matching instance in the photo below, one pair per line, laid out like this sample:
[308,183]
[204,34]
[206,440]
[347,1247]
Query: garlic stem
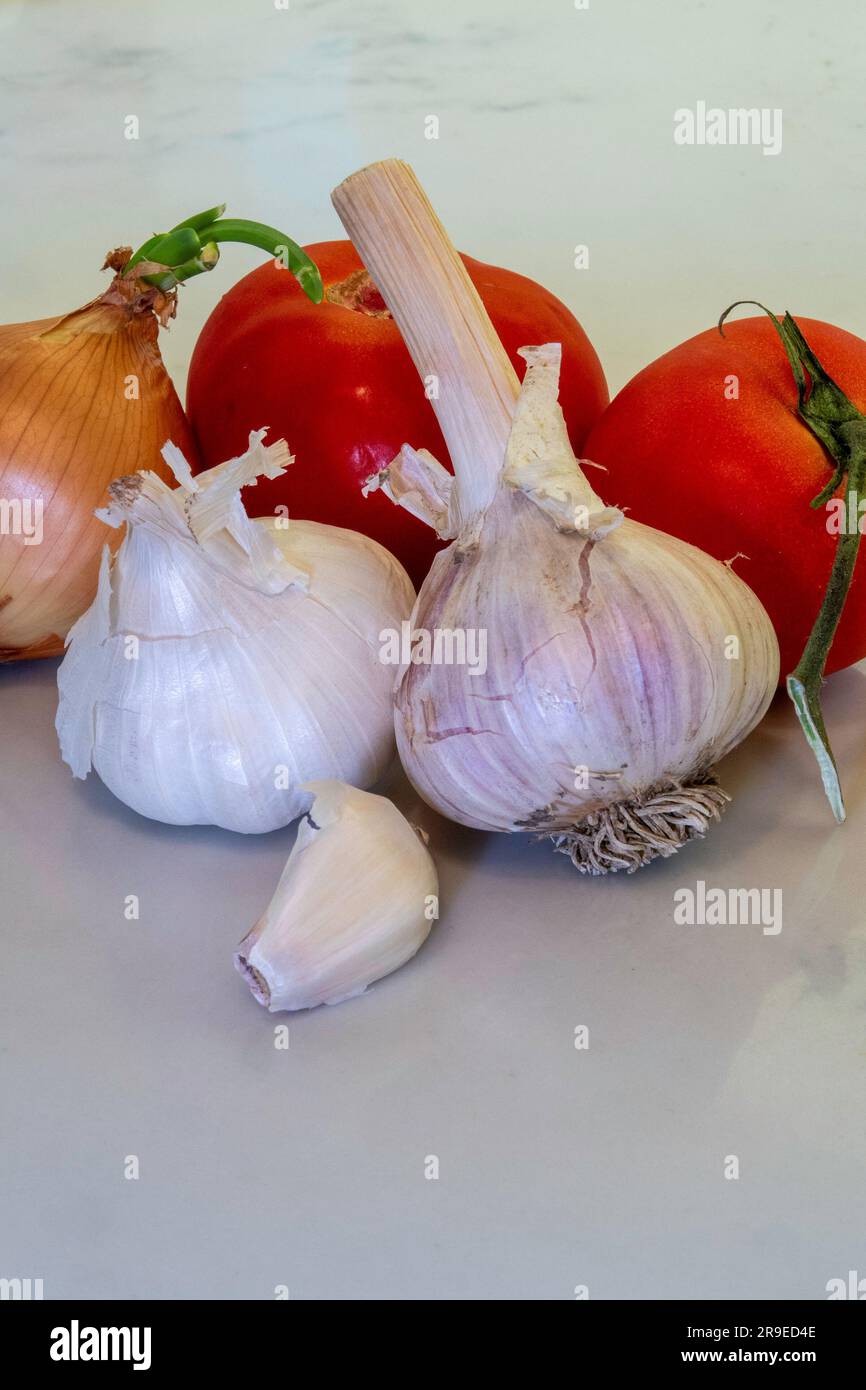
[441,317]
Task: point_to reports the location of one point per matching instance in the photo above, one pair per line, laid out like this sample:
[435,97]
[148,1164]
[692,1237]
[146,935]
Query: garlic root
[629,834]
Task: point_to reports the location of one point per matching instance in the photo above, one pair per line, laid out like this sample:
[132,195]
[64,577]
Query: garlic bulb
[226,661]
[621,663]
[356,899]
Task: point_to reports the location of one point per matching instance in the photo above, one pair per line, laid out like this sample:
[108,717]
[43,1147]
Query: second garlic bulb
[226,661]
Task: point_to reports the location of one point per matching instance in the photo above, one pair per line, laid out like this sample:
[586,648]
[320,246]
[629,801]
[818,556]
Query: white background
[556,129]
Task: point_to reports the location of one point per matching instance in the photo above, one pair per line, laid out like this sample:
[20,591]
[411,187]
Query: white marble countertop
[559,1167]
[556,129]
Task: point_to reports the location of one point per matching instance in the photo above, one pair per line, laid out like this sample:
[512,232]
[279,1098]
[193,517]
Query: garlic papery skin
[621,663]
[226,661]
[356,899]
[607,681]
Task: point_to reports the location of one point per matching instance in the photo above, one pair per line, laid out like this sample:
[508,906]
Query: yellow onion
[85,399]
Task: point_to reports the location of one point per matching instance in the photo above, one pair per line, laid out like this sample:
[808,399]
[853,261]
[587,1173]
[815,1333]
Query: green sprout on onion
[167,259]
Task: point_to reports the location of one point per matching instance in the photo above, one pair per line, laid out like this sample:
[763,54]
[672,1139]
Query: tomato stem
[841,428]
[190,248]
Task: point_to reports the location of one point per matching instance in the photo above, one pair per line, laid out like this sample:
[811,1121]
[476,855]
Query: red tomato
[339,385]
[736,472]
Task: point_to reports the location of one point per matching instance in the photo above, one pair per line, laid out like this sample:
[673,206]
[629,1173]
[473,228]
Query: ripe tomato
[706,443]
[338,383]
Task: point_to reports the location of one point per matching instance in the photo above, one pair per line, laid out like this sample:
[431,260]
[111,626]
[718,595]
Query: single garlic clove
[356,899]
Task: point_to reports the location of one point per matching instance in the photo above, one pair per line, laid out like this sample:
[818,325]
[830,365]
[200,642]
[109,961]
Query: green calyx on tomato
[841,428]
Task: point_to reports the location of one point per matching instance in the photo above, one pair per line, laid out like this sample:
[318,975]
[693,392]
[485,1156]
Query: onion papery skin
[67,430]
[605,654]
